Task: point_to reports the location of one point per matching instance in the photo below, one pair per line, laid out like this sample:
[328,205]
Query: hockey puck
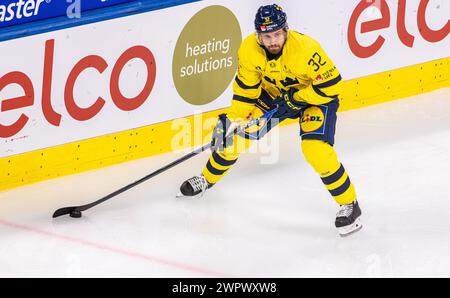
[75,214]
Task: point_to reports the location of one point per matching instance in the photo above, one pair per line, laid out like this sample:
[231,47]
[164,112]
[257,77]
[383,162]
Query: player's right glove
[223,134]
[288,107]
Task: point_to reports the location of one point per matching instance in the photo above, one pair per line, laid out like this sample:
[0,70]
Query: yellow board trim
[158,138]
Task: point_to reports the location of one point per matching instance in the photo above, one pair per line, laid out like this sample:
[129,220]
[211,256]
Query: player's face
[273,41]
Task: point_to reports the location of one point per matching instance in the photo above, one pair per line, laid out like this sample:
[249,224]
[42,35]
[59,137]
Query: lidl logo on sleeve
[205,56]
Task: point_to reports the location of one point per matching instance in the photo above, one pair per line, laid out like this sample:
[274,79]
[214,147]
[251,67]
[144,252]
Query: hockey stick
[75,211]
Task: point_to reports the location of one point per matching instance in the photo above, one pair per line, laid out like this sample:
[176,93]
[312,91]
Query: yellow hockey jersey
[302,65]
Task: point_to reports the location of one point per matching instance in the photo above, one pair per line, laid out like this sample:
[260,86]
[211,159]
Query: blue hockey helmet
[270,18]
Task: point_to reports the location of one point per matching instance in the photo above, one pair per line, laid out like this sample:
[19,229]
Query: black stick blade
[63,211]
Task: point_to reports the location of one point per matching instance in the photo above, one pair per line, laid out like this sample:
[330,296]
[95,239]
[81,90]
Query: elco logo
[406,38]
[74,110]
[20,9]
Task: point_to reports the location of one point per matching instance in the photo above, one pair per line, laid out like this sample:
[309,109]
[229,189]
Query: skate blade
[182,196]
[350,229]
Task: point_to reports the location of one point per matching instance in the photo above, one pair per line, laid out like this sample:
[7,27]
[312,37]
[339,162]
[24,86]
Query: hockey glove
[223,134]
[288,107]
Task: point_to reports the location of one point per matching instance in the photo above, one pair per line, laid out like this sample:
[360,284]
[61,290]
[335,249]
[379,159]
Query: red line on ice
[114,249]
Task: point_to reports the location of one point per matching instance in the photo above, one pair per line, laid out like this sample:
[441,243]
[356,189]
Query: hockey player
[281,68]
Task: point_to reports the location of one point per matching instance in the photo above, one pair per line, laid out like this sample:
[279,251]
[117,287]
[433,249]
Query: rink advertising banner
[14,12]
[206,55]
[365,37]
[166,64]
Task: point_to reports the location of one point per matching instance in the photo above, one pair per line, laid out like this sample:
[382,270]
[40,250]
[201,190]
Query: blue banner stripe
[14,12]
[88,17]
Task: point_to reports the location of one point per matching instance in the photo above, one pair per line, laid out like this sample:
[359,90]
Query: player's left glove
[288,107]
[223,133]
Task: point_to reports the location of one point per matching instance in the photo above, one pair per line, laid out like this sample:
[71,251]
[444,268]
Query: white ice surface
[261,220]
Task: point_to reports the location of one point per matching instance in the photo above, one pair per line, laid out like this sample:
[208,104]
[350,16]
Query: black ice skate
[194,186]
[348,219]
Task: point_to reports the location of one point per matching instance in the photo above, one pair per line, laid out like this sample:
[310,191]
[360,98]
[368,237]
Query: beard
[274,49]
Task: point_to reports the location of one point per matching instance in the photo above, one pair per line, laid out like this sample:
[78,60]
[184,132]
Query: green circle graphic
[205,57]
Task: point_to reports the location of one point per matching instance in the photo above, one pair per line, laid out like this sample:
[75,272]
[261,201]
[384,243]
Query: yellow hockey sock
[322,157]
